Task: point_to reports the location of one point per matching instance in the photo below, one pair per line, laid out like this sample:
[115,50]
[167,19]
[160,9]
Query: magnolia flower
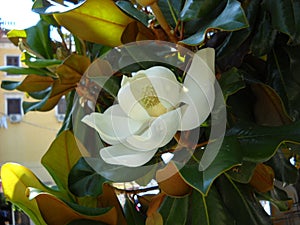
[152,107]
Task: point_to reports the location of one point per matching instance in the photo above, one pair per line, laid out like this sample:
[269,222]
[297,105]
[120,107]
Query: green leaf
[92,21]
[132,216]
[229,155]
[259,143]
[194,9]
[110,84]
[34,62]
[46,7]
[231,81]
[264,37]
[23,70]
[203,209]
[84,181]
[171,10]
[132,11]
[85,222]
[174,210]
[38,39]
[10,85]
[241,203]
[115,172]
[284,170]
[31,106]
[62,155]
[236,21]
[285,17]
[278,198]
[243,173]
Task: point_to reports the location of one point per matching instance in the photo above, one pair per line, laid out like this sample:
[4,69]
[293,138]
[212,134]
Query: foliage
[257,64]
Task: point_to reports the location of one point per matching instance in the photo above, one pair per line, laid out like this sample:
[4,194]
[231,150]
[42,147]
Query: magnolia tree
[195,104]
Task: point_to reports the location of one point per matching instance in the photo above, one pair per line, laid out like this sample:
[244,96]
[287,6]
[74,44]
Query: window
[12,60]
[61,109]
[13,107]
[62,106]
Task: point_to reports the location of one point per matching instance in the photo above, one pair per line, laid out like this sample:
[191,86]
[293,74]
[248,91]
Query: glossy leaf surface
[102,23]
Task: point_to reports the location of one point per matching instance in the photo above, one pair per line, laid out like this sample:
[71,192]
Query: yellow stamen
[151,102]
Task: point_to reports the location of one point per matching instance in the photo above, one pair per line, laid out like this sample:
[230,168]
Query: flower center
[151,102]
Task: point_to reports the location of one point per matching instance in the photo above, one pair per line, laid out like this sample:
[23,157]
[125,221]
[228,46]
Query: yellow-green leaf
[154,219]
[96,21]
[14,36]
[62,155]
[15,181]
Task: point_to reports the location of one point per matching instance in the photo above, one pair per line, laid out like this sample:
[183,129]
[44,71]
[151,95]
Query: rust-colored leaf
[70,73]
[263,178]
[109,199]
[34,83]
[269,109]
[170,181]
[55,211]
[155,203]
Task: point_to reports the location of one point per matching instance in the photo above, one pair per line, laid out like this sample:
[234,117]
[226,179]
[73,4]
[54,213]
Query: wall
[27,141]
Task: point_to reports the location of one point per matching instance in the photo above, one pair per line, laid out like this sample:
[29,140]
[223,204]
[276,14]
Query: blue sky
[19,12]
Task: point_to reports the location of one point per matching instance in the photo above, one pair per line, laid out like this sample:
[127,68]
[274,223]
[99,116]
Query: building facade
[24,138]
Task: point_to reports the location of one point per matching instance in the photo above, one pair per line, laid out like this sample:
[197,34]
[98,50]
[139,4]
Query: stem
[162,21]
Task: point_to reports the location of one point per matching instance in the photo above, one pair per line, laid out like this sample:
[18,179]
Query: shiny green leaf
[285,17]
[131,214]
[243,173]
[203,209]
[171,10]
[10,85]
[241,203]
[38,39]
[92,21]
[84,181]
[223,22]
[231,81]
[264,37]
[132,11]
[229,155]
[194,9]
[259,143]
[34,62]
[284,170]
[174,210]
[24,70]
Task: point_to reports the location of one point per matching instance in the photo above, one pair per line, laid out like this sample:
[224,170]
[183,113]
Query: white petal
[129,100]
[113,126]
[122,155]
[165,84]
[198,93]
[160,132]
